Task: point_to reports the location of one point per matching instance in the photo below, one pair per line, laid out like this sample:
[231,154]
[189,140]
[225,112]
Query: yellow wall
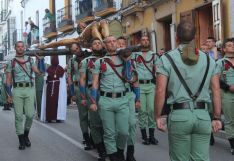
[136,25]
[51,6]
[226,18]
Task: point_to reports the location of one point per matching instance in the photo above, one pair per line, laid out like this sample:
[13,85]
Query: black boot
[212,139]
[231,141]
[88,145]
[152,139]
[101,151]
[27,141]
[21,142]
[130,153]
[144,137]
[4,107]
[120,155]
[92,142]
[113,157]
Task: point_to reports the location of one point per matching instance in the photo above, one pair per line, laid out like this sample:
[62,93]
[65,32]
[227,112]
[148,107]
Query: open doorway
[164,32]
[204,23]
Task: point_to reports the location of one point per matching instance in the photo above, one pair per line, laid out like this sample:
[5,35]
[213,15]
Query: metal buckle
[114,95]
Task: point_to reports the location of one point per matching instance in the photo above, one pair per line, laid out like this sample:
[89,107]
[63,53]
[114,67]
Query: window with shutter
[217,20]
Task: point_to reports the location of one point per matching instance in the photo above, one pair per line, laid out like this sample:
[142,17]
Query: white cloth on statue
[62,101]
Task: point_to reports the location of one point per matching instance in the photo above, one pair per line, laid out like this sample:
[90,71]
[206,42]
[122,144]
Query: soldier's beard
[98,52]
[20,53]
[145,48]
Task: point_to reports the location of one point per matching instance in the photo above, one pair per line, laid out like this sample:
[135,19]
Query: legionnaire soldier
[113,105]
[133,99]
[73,73]
[87,65]
[4,102]
[19,74]
[179,73]
[225,67]
[39,82]
[146,68]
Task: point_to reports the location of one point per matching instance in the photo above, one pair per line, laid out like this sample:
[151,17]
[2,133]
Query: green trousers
[132,118]
[228,110]
[146,112]
[23,99]
[3,95]
[114,113]
[83,113]
[189,135]
[39,82]
[96,128]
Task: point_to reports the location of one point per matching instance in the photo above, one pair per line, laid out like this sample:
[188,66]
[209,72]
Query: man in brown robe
[55,105]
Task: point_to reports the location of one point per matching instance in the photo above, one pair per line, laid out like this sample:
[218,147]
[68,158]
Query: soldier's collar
[111,54]
[19,56]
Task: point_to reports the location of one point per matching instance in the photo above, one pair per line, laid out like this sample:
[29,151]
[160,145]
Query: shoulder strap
[194,97]
[31,71]
[13,70]
[112,67]
[24,69]
[144,62]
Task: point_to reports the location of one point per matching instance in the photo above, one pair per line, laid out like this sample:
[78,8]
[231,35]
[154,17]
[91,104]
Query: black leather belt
[23,84]
[185,105]
[112,95]
[145,81]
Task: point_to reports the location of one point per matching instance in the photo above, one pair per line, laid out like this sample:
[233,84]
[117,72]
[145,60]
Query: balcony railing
[64,17]
[49,27]
[3,15]
[104,4]
[83,9]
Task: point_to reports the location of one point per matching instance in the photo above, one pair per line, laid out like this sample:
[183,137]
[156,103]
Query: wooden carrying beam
[48,52]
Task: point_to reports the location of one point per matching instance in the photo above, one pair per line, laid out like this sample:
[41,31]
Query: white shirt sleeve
[28,28]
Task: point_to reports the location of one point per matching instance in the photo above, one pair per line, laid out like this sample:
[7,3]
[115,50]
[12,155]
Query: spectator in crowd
[212,49]
[27,33]
[49,15]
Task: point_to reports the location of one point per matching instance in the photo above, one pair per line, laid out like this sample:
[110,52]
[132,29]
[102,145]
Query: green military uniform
[73,70]
[132,115]
[147,87]
[23,94]
[39,83]
[113,105]
[3,99]
[96,129]
[189,127]
[227,75]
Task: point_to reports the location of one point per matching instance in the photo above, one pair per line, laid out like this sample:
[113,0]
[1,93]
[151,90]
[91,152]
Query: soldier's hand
[93,107]
[216,125]
[9,99]
[138,105]
[231,88]
[161,124]
[84,102]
